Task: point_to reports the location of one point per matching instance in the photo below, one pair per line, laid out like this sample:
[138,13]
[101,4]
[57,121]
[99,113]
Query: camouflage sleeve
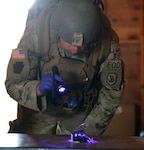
[112,79]
[22,70]
[22,80]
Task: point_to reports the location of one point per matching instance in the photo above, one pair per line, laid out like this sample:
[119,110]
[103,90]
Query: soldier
[68,44]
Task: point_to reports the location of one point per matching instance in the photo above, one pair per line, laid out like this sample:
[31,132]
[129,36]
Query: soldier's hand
[46,83]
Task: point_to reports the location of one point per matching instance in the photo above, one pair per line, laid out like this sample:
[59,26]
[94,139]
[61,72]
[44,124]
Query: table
[45,142]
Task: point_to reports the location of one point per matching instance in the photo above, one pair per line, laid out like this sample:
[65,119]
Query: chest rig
[78,75]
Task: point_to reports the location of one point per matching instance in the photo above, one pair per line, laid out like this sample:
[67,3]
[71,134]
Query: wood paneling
[127,18]
[142,68]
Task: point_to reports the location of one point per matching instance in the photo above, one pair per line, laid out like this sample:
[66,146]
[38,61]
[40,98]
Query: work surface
[45,142]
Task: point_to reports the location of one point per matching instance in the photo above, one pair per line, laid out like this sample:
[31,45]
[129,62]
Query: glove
[46,83]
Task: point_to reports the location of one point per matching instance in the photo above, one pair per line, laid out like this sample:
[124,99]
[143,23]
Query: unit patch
[111,78]
[18,67]
[112,74]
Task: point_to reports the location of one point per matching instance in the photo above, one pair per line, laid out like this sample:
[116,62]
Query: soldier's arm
[112,80]
[22,77]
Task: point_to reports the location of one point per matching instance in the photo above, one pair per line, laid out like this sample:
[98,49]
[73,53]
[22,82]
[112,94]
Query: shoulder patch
[18,54]
[112,74]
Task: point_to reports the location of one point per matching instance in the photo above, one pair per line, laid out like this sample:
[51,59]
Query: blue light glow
[80,136]
[61,89]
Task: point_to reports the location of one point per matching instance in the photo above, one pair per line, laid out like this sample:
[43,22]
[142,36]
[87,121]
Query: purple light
[61,89]
[81,137]
[91,141]
[45,143]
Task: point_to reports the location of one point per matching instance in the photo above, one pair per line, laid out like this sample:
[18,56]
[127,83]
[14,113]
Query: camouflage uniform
[96,78]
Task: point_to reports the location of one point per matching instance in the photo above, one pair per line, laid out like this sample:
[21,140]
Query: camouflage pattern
[35,56]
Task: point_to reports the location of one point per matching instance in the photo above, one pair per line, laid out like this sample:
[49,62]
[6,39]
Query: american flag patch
[18,54]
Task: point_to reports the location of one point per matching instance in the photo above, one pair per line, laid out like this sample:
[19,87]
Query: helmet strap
[99,3]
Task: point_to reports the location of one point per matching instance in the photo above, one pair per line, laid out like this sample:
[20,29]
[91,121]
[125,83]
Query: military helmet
[77,21]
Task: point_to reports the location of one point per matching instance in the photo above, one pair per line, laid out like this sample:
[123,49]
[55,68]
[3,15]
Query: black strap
[99,3]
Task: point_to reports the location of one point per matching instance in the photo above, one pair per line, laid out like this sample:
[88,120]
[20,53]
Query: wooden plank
[125,16]
[125,12]
[47,142]
[131,57]
[142,70]
[128,34]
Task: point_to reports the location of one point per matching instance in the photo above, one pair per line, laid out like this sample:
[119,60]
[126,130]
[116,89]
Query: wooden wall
[127,18]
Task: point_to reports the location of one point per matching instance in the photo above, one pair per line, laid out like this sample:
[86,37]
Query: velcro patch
[18,54]
[112,74]
[111,78]
[18,67]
